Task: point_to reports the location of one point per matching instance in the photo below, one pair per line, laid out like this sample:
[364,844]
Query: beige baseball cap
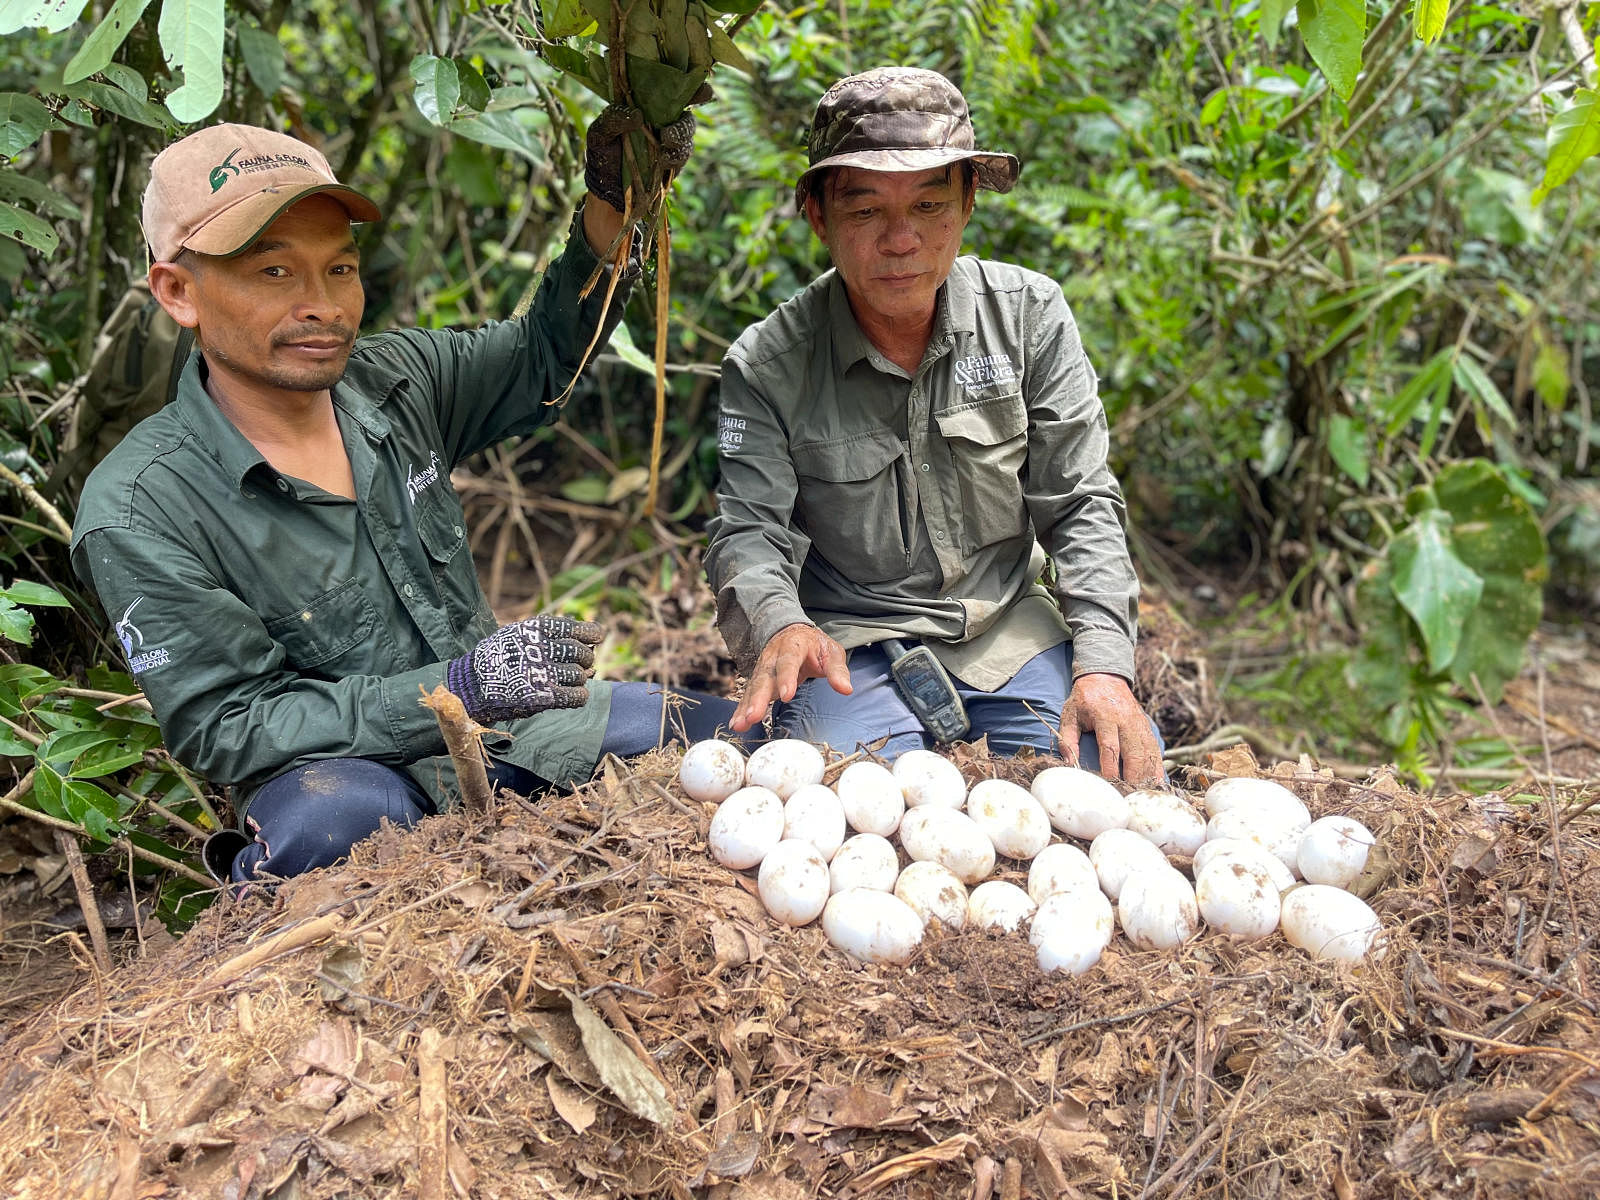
[217,189]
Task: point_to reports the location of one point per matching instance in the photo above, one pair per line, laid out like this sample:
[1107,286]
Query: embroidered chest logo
[417,480]
[139,659]
[730,434]
[979,372]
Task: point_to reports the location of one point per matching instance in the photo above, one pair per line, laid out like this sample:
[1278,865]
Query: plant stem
[63,531]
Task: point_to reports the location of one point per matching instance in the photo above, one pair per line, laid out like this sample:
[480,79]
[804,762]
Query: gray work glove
[604,152]
[525,668]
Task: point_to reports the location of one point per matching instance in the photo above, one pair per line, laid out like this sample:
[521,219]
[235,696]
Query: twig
[433,1116]
[1114,1019]
[62,531]
[1499,1047]
[463,737]
[86,901]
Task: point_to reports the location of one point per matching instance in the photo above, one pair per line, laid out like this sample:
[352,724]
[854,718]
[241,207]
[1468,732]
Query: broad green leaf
[1497,535]
[1272,14]
[16,625]
[191,33]
[116,100]
[1347,442]
[474,91]
[1277,439]
[622,345]
[12,746]
[50,15]
[1470,378]
[107,758]
[1572,137]
[26,591]
[14,185]
[61,747]
[1333,31]
[47,793]
[502,130]
[587,489]
[22,119]
[661,92]
[263,58]
[724,51]
[438,89]
[1434,585]
[126,78]
[563,18]
[1550,378]
[98,48]
[1212,108]
[1428,18]
[27,229]
[474,174]
[92,808]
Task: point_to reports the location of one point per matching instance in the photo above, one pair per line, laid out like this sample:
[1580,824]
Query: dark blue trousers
[311,815]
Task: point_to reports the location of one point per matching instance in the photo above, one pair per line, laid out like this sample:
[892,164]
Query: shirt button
[458,531]
[926,467]
[939,534]
[283,485]
[408,589]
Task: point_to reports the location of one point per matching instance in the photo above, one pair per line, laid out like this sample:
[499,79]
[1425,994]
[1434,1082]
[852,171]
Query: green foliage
[1333,31]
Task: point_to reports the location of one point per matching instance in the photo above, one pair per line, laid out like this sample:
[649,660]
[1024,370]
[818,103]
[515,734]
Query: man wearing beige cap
[280,550]
[905,445]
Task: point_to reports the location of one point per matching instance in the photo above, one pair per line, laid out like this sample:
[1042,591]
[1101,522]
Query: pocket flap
[325,627]
[988,423]
[849,459]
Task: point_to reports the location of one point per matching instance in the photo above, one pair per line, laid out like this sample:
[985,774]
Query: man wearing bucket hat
[280,548]
[904,446]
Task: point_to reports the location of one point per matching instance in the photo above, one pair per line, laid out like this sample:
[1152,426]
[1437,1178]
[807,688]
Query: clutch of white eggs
[1259,862]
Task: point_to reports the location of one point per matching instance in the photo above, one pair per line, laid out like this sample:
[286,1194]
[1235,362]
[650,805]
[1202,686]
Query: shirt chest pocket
[850,504]
[332,635]
[988,442]
[442,530]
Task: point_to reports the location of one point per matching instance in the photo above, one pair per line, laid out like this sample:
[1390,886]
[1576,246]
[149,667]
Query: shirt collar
[359,394]
[956,312]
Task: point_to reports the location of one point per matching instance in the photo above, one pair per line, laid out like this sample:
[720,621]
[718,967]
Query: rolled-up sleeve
[754,557]
[1074,501]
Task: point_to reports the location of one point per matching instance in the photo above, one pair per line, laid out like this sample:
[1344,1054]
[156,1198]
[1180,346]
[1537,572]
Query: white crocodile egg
[1167,820]
[745,827]
[711,770]
[1080,803]
[872,926]
[1244,850]
[1262,793]
[1013,819]
[933,890]
[1118,854]
[1157,910]
[784,765]
[998,905]
[813,814]
[871,797]
[929,778]
[1070,930]
[793,882]
[933,833]
[1238,897]
[1334,851]
[865,861]
[1273,829]
[1328,922]
[1060,868]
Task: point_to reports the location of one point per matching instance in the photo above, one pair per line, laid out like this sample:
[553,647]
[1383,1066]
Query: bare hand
[794,654]
[1103,704]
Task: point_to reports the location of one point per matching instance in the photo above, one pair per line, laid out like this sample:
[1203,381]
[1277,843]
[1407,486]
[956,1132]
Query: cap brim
[994,171]
[236,228]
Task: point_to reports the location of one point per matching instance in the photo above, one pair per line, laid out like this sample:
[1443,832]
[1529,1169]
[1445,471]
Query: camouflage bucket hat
[899,119]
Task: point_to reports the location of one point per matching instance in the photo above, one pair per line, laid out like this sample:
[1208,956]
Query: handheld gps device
[927,689]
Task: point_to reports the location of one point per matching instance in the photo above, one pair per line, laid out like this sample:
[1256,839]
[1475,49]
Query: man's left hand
[1104,705]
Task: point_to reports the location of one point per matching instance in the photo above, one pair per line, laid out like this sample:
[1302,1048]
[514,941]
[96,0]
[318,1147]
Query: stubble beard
[312,377]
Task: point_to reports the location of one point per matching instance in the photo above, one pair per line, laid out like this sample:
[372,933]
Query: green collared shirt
[878,505]
[271,623]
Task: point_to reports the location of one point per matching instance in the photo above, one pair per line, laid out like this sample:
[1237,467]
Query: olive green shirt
[876,504]
[271,623]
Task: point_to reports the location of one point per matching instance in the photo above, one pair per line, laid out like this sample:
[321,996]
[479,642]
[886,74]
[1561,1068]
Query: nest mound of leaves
[566,997]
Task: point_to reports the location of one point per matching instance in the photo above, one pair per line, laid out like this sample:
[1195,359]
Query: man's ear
[814,216]
[173,286]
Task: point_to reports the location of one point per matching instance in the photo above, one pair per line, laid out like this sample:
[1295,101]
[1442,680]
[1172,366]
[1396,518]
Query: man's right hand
[525,668]
[794,654]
